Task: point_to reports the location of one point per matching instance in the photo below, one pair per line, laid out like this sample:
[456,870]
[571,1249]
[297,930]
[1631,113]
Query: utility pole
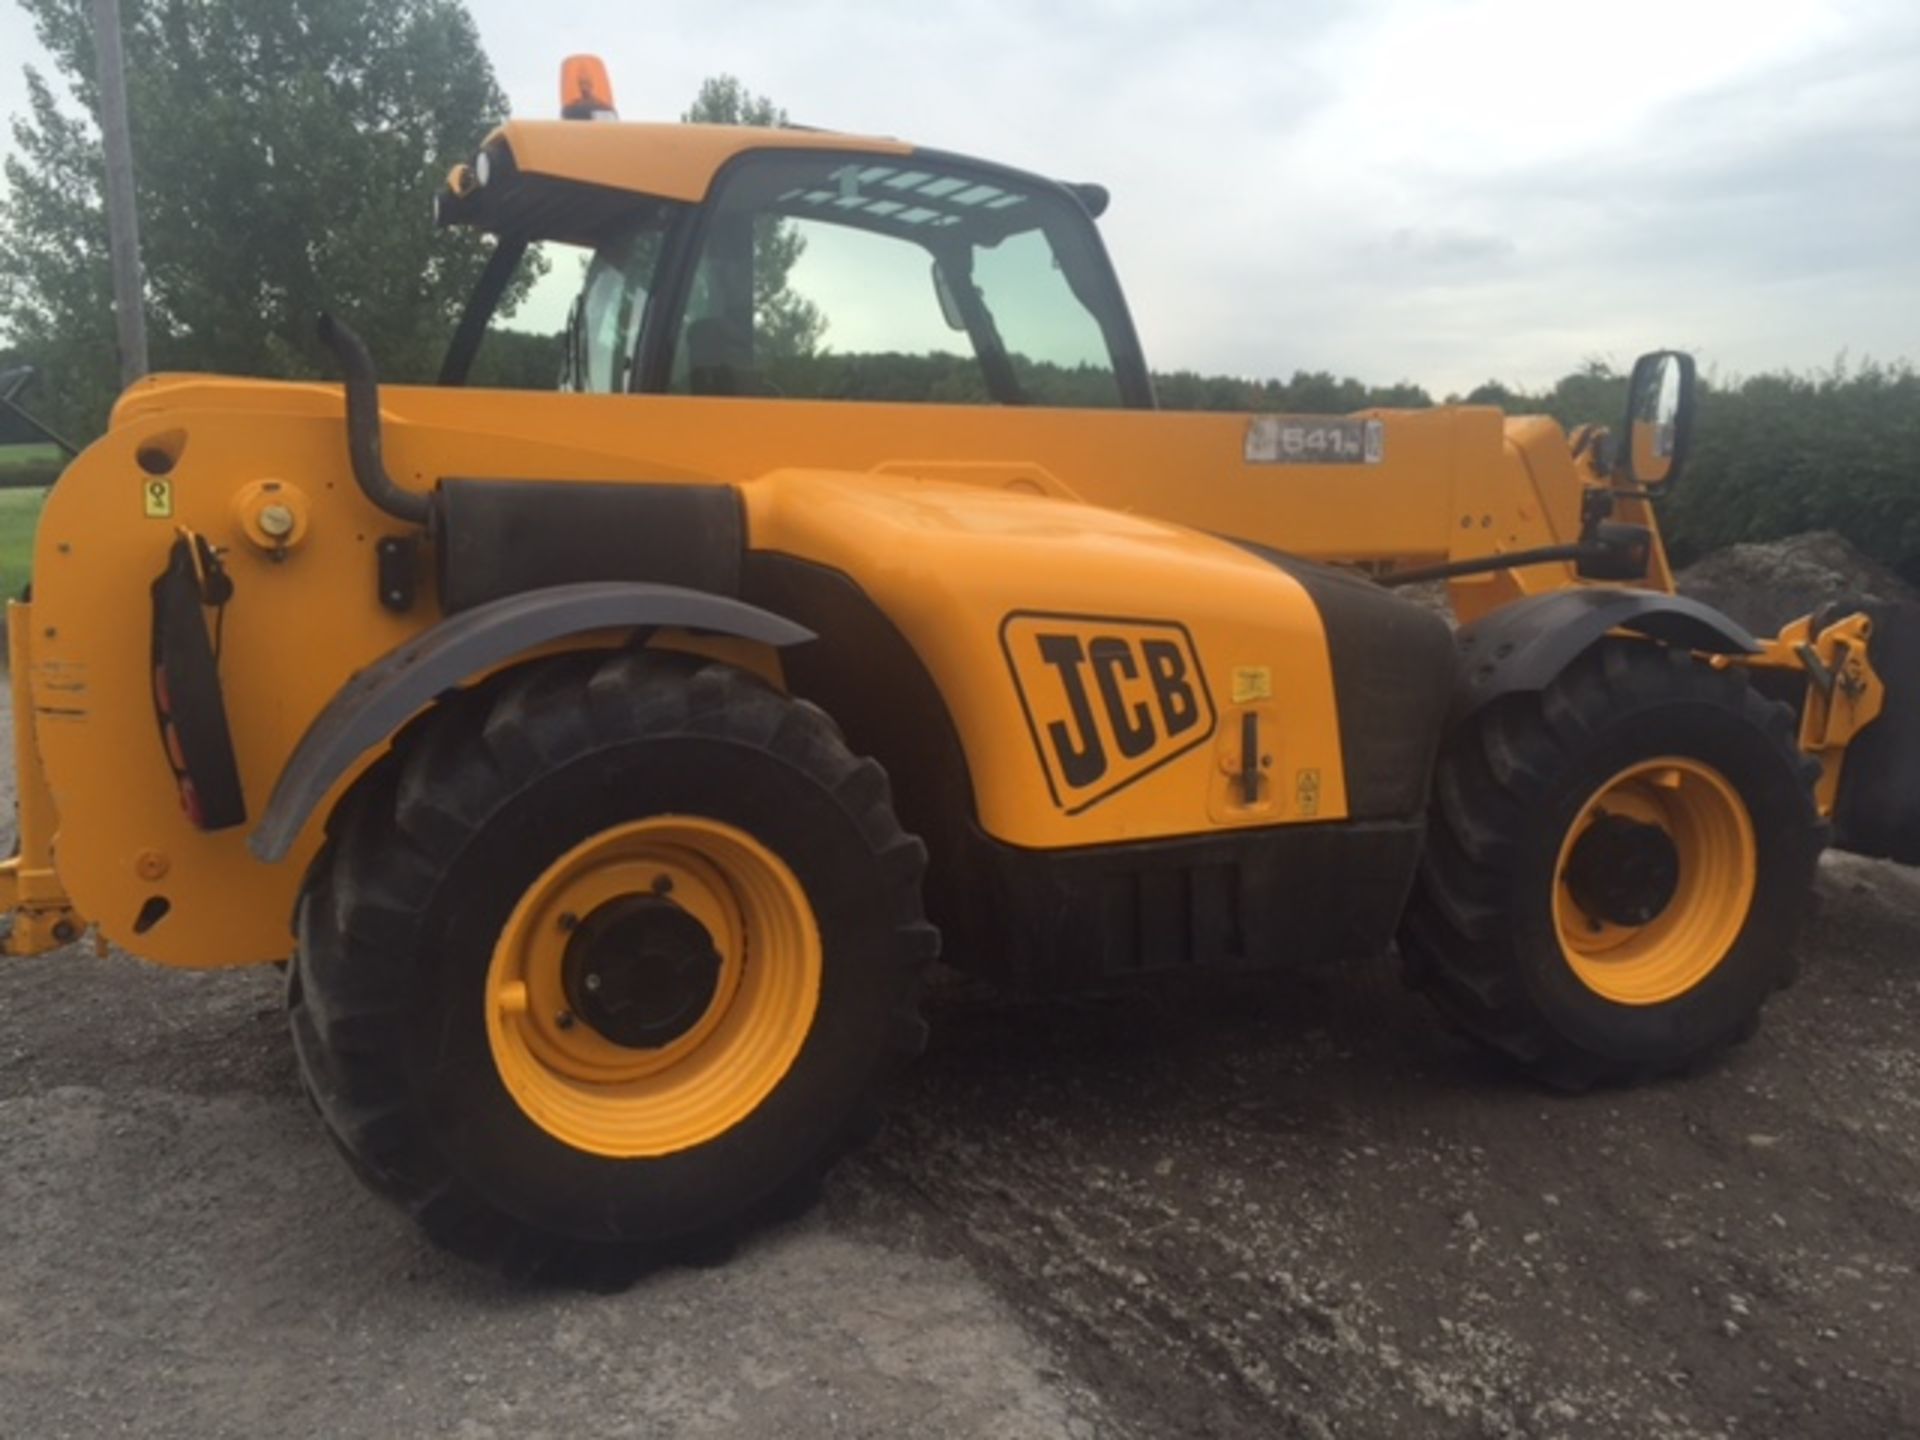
[123,225]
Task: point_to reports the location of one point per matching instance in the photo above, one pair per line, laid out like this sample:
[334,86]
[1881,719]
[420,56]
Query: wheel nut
[564,1020]
[662,884]
[569,920]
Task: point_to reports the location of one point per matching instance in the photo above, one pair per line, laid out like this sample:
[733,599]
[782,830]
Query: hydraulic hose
[1513,560]
[363,426]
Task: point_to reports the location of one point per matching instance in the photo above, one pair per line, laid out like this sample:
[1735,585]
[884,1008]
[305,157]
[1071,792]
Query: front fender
[1522,647]
[379,699]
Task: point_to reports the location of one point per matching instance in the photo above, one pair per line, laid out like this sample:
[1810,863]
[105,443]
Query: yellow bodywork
[965,571]
[956,521]
[947,551]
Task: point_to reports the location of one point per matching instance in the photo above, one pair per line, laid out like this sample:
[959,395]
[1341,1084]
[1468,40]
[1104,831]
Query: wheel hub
[1623,871]
[641,971]
[658,1053]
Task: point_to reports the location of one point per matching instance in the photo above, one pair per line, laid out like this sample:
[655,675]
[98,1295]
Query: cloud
[1761,212]
[1438,251]
[1439,190]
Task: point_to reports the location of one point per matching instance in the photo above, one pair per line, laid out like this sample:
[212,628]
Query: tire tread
[1455,936]
[405,820]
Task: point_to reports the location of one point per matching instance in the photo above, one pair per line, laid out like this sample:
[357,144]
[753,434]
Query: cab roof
[673,161]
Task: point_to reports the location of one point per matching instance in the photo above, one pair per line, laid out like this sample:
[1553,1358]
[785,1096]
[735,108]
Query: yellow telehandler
[611,761]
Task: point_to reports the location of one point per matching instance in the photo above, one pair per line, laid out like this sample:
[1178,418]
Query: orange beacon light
[585,91]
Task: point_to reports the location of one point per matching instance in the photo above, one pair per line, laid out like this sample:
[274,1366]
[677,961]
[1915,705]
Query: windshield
[809,276]
[931,281]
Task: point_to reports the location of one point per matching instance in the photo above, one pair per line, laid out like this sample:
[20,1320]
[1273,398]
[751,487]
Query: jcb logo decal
[1107,700]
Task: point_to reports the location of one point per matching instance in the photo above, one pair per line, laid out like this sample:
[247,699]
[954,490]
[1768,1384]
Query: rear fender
[372,706]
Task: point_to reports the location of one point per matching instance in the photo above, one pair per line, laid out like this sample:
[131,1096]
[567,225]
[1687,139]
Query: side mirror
[1659,425]
[949,302]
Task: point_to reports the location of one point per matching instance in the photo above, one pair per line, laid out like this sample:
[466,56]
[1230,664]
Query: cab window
[823,278]
[578,324]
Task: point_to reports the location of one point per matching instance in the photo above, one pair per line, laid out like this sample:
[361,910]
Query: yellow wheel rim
[627,1100]
[1712,838]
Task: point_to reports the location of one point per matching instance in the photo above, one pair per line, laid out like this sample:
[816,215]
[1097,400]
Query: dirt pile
[1765,585]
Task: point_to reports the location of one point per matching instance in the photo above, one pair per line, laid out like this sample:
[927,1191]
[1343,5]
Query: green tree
[784,324]
[1777,454]
[1492,392]
[283,157]
[1307,393]
[1595,394]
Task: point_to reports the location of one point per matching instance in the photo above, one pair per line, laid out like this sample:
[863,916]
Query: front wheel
[1617,867]
[607,955]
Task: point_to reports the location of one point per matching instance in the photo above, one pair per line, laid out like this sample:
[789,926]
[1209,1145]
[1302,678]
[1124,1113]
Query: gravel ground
[1308,1211]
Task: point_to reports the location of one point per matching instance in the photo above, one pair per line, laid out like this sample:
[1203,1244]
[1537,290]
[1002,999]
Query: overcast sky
[1416,189]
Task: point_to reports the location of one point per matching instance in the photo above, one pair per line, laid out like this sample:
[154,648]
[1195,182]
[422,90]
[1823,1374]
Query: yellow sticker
[157,496]
[1306,792]
[1252,682]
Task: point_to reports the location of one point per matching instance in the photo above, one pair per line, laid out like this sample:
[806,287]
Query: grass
[34,464]
[19,513]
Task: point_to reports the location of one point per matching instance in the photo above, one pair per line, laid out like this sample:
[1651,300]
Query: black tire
[424,861]
[1479,936]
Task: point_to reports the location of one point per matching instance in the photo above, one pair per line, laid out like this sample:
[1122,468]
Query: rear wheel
[1617,867]
[607,957]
